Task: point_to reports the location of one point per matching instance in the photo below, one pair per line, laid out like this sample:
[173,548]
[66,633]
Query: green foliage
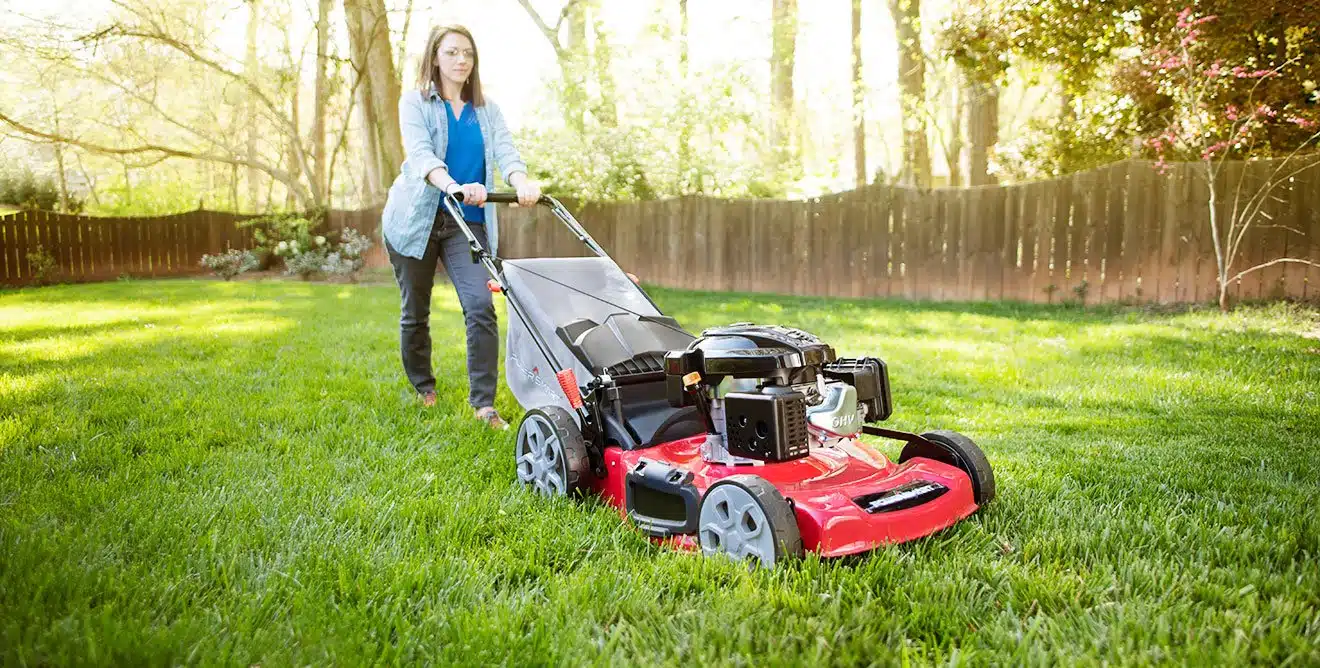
[646,155]
[186,461]
[1107,58]
[157,191]
[42,264]
[1101,131]
[283,234]
[346,260]
[23,189]
[230,263]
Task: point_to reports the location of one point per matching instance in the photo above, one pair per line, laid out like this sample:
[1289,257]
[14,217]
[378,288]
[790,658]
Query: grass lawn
[237,473]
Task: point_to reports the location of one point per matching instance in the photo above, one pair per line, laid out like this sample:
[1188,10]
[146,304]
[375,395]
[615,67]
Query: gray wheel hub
[541,456]
[734,524]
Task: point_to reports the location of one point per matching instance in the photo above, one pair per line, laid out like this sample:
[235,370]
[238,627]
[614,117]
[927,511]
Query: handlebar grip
[503,198]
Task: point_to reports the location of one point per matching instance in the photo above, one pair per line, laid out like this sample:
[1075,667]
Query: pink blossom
[1266,111]
[1171,63]
[1211,150]
[1303,123]
[1231,112]
[1243,73]
[1190,39]
[1185,14]
[1215,70]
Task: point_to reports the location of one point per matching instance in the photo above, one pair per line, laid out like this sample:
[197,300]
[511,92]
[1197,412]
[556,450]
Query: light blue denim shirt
[413,201]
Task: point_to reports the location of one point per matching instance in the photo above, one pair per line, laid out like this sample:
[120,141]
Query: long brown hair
[428,74]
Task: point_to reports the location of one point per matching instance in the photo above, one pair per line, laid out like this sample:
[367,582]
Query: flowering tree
[1204,125]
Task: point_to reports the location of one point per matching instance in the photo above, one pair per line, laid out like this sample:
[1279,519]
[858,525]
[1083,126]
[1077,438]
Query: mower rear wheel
[550,453]
[745,517]
[954,449]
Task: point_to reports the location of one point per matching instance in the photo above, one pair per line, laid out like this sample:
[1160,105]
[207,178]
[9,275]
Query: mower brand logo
[902,497]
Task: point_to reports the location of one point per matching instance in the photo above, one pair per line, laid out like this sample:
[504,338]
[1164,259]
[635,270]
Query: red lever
[568,383]
[493,286]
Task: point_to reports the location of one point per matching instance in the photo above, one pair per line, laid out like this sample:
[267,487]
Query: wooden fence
[1120,233]
[1124,232]
[88,248]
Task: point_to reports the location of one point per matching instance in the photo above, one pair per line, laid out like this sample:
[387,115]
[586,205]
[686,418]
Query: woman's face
[456,57]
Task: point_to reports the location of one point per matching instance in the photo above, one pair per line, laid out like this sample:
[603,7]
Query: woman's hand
[528,193]
[474,194]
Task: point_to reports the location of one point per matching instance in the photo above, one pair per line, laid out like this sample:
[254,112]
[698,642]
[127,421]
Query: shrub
[282,235]
[305,264]
[347,260]
[320,256]
[25,190]
[230,263]
[43,265]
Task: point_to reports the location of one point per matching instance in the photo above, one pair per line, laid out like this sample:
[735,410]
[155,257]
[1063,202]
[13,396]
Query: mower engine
[771,393]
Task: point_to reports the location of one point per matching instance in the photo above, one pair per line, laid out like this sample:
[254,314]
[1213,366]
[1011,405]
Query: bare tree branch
[1271,263]
[165,152]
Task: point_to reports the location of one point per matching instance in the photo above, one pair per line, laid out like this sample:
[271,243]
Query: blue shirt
[466,155]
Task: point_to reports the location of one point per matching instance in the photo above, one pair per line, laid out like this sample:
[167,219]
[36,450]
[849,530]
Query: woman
[453,137]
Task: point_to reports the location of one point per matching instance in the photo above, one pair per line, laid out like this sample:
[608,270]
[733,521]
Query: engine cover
[767,425]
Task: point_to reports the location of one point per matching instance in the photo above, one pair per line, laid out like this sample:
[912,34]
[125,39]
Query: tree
[378,92]
[783,41]
[976,41]
[859,97]
[321,94]
[578,63]
[251,71]
[1200,127]
[912,90]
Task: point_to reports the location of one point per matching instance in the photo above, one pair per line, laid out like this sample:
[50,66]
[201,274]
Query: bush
[282,235]
[25,190]
[43,265]
[230,263]
[323,257]
[305,265]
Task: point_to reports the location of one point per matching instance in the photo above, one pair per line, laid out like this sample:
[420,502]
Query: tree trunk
[250,66]
[912,87]
[321,93]
[783,40]
[378,94]
[606,111]
[982,129]
[59,165]
[954,147]
[859,96]
[573,65]
[687,181]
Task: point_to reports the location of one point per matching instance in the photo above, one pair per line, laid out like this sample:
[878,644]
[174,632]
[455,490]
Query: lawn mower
[741,441]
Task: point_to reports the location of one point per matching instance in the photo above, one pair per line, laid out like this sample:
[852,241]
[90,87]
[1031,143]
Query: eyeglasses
[467,54]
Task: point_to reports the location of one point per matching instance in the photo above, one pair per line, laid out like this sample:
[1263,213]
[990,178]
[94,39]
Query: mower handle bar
[506,198]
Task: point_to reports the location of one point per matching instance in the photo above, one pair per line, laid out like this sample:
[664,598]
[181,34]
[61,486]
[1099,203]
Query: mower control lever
[504,198]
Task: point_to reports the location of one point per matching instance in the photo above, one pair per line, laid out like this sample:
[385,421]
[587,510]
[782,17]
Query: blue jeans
[416,278]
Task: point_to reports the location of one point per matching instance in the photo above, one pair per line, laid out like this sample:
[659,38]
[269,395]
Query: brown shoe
[428,399]
[492,418]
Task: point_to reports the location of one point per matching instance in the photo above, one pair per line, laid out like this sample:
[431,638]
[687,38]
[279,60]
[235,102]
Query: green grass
[237,473]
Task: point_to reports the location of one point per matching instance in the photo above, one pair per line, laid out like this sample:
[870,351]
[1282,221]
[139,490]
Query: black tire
[777,512]
[954,449]
[572,464]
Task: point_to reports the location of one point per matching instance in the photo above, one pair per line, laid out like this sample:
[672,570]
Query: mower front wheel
[954,449]
[745,517]
[550,453]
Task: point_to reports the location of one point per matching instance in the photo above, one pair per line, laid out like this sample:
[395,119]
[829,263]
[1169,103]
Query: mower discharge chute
[742,441]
